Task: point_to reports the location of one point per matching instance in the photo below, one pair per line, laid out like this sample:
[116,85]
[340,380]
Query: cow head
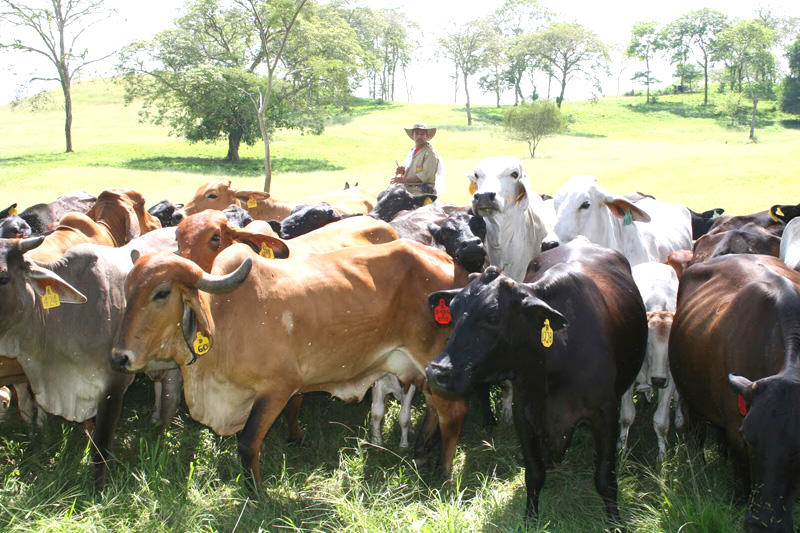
[457,236]
[21,280]
[497,183]
[123,212]
[306,218]
[395,199]
[659,324]
[493,319]
[583,207]
[163,211]
[203,236]
[784,212]
[237,215]
[218,194]
[14,227]
[165,315]
[771,431]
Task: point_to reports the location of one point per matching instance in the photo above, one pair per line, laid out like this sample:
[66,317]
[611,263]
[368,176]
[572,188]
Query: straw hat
[420,126]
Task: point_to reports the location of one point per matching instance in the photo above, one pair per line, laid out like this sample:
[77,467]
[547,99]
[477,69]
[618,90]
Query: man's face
[420,136]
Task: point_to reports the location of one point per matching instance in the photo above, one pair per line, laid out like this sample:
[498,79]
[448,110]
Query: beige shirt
[423,166]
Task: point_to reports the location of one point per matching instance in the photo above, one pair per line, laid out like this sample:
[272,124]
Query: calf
[571,339]
[733,353]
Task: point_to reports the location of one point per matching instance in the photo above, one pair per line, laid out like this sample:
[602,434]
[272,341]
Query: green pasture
[189,479]
[675,149]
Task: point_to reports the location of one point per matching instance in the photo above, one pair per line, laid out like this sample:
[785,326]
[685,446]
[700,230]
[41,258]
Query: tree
[533,122]
[569,49]
[53,31]
[494,56]
[746,47]
[465,47]
[697,31]
[645,42]
[790,97]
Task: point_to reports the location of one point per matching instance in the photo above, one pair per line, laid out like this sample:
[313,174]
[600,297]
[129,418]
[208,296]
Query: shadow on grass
[571,133]
[36,158]
[676,108]
[244,167]
[357,107]
[793,124]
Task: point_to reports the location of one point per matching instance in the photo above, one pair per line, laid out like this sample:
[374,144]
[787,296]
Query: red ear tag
[742,404]
[441,313]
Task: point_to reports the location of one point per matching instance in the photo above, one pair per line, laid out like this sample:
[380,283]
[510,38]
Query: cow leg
[155,418]
[508,400]
[484,392]
[451,419]
[291,414]
[605,428]
[105,424]
[531,441]
[627,413]
[170,397]
[428,435]
[405,415]
[661,418]
[25,403]
[676,402]
[265,410]
[379,392]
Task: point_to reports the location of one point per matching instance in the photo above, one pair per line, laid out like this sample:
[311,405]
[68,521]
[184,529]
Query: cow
[750,238]
[658,286]
[395,199]
[733,354]
[332,322]
[218,194]
[767,219]
[517,219]
[238,216]
[163,211]
[306,218]
[45,217]
[571,338]
[14,227]
[63,349]
[701,222]
[784,212]
[116,217]
[790,245]
[645,231]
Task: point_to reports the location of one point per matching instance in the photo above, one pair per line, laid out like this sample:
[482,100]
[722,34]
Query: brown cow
[117,217]
[331,322]
[750,238]
[218,194]
[739,315]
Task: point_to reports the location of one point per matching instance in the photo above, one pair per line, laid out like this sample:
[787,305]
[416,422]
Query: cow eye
[515,174]
[161,295]
[476,175]
[4,280]
[585,205]
[212,196]
[215,238]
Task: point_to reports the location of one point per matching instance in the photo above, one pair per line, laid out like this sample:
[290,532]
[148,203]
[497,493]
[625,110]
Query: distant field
[674,149]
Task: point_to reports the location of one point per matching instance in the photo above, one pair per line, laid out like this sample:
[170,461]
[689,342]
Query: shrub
[533,122]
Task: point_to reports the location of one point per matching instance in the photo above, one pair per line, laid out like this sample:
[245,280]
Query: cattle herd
[239,304]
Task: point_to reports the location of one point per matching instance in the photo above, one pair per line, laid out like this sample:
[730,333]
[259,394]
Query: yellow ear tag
[473,187]
[779,212]
[201,344]
[12,211]
[520,197]
[547,334]
[252,202]
[266,251]
[427,201]
[50,298]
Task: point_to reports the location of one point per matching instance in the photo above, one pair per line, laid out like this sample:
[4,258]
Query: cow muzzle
[176,217]
[121,359]
[484,203]
[549,245]
[438,374]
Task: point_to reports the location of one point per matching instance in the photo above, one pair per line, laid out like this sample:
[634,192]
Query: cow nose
[438,374]
[483,198]
[549,245]
[120,359]
[176,218]
[468,244]
[658,383]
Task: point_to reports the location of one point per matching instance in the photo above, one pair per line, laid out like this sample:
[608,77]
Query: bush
[533,122]
[728,105]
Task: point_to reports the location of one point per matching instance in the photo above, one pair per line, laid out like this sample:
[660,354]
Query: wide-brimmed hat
[420,126]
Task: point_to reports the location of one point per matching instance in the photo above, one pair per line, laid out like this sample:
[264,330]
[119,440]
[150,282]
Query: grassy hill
[674,149]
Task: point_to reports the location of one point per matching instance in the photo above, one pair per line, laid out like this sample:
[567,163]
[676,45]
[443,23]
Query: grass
[191,480]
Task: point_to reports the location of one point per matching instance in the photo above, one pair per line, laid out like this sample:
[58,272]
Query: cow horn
[30,243]
[226,283]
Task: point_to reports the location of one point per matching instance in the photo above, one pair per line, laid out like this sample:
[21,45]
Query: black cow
[237,215]
[163,211]
[571,338]
[14,226]
[44,217]
[395,199]
[737,320]
[701,222]
[784,212]
[306,218]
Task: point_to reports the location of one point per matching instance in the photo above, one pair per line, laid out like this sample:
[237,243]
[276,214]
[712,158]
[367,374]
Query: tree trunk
[65,86]
[705,73]
[647,80]
[469,110]
[550,81]
[755,103]
[563,88]
[233,147]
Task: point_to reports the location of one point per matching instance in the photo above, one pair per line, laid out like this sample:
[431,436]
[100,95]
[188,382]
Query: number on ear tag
[252,201]
[201,344]
[266,251]
[547,334]
[473,187]
[441,313]
[50,298]
[627,220]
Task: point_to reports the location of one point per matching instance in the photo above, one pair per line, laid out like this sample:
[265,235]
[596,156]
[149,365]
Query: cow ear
[263,245]
[539,311]
[197,324]
[620,206]
[244,196]
[49,285]
[433,229]
[478,227]
[742,385]
[439,302]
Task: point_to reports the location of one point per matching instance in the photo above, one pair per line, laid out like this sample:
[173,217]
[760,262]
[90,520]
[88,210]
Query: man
[423,171]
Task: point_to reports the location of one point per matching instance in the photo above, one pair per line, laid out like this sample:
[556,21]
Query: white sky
[429,82]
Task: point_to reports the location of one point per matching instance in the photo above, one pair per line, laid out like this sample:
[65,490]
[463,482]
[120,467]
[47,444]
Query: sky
[429,81]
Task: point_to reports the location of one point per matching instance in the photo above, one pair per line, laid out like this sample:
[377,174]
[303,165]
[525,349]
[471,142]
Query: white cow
[645,231]
[516,217]
[790,244]
[658,285]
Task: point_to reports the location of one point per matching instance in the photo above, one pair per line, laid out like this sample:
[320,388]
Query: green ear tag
[627,220]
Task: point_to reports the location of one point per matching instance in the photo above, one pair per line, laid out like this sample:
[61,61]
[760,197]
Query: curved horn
[225,283]
[30,243]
